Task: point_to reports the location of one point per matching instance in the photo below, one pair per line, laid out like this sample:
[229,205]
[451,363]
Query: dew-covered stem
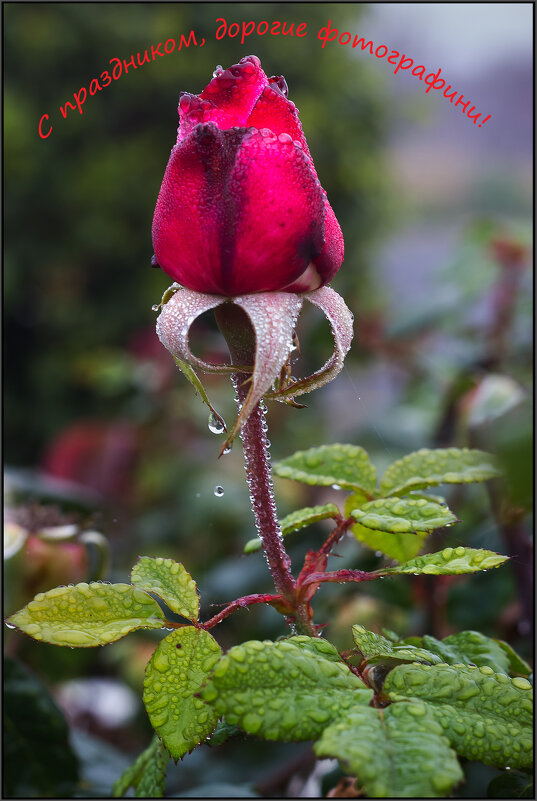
[240,338]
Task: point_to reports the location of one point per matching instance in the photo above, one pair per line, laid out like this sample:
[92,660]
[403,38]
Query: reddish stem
[259,477]
[241,603]
[341,576]
[336,535]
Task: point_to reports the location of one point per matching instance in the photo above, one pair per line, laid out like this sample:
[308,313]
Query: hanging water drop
[218,491]
[215,424]
[227,449]
[155,307]
[10,626]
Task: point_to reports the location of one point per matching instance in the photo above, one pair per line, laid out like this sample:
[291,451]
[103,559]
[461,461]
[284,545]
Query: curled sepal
[273,316]
[341,322]
[173,328]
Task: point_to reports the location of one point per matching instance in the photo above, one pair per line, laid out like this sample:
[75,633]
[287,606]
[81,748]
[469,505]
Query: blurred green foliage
[93,398]
[81,201]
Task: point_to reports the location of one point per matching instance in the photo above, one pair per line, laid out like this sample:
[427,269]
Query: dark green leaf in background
[37,758]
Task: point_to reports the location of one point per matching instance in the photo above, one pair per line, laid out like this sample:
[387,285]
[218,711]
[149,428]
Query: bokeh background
[105,442]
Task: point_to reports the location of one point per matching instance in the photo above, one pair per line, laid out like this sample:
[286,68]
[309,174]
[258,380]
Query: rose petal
[273,316]
[275,112]
[191,208]
[278,215]
[341,323]
[272,110]
[227,100]
[331,258]
[238,211]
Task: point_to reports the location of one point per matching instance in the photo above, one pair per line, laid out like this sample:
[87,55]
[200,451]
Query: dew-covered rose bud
[241,209]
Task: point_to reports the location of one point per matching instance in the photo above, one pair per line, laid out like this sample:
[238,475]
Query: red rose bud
[241,209]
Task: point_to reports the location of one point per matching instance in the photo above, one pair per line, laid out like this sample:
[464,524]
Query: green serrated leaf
[222,733]
[390,635]
[397,546]
[147,775]
[485,715]
[516,663]
[375,648]
[174,675]
[170,581]
[398,752]
[427,468]
[469,647]
[427,496]
[403,515]
[317,646]
[286,690]
[346,466]
[151,783]
[450,561]
[297,520]
[84,615]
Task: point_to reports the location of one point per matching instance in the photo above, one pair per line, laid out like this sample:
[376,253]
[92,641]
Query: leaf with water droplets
[398,752]
[175,674]
[516,663]
[147,775]
[170,581]
[341,323]
[297,520]
[286,690]
[469,647]
[485,715]
[84,615]
[448,562]
[427,468]
[401,547]
[348,466]
[376,648]
[403,515]
[273,316]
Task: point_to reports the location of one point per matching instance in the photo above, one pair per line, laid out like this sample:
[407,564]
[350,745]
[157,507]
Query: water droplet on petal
[10,626]
[218,491]
[217,70]
[336,486]
[214,424]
